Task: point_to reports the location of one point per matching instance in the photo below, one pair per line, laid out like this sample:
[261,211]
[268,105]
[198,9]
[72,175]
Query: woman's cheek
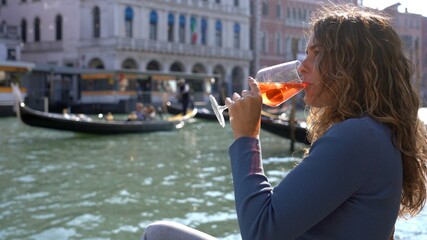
[312,97]
[308,97]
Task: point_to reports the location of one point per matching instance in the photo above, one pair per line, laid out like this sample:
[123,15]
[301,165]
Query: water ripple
[55,234]
[57,185]
[32,196]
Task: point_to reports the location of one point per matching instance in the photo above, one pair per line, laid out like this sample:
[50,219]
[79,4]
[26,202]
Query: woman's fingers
[245,93]
[253,84]
[236,96]
[245,111]
[254,90]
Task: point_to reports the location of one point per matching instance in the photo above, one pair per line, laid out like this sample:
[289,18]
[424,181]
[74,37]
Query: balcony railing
[211,6]
[51,46]
[168,47]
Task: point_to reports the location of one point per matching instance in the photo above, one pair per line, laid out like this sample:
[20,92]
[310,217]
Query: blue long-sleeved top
[348,187]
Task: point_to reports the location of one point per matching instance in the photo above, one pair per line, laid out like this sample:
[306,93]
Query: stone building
[278,33]
[280,29]
[412,29]
[189,36]
[229,38]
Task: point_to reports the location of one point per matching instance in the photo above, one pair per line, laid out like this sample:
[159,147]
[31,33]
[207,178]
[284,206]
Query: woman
[367,162]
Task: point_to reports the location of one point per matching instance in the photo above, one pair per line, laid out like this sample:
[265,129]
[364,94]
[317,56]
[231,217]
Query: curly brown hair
[362,64]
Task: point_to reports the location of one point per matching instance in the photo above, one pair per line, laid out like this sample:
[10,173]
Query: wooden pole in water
[294,102]
[292,124]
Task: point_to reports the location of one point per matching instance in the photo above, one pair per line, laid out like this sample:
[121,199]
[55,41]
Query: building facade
[10,42]
[189,36]
[228,38]
[412,29]
[279,28]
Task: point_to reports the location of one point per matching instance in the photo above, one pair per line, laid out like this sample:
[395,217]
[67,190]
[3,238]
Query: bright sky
[413,6]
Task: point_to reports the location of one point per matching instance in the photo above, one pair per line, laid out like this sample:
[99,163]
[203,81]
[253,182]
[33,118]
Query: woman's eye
[316,52]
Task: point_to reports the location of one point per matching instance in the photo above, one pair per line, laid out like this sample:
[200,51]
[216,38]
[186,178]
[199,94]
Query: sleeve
[186,88]
[334,169]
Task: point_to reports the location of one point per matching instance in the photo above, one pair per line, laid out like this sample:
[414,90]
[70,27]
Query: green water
[61,185]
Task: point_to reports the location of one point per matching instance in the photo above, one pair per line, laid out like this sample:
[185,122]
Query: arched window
[58,28]
[237,79]
[204,31]
[129,63]
[264,42]
[278,43]
[23,30]
[177,67]
[96,63]
[236,35]
[171,23]
[153,65]
[193,29]
[153,25]
[220,87]
[129,22]
[288,47]
[182,29]
[265,9]
[37,30]
[218,33]
[96,15]
[198,68]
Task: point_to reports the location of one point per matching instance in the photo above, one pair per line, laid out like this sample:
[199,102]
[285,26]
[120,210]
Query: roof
[16,66]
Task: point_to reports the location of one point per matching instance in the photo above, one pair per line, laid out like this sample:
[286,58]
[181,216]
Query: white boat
[11,72]
[422,114]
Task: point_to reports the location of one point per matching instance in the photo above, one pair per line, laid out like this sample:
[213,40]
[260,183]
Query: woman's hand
[245,111]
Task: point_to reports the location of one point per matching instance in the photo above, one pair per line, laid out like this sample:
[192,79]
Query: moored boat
[12,73]
[269,122]
[283,129]
[76,123]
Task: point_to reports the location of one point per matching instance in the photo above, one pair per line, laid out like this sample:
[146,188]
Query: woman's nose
[301,69]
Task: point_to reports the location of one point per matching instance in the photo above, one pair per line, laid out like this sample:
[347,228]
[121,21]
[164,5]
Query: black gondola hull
[273,125]
[55,121]
[283,129]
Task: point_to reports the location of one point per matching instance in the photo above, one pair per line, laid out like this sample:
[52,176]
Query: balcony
[210,6]
[51,46]
[141,45]
[9,32]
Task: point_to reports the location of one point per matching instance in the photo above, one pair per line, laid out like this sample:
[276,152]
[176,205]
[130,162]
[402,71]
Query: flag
[193,28]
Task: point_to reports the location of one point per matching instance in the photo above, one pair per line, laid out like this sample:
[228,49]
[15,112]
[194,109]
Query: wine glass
[277,84]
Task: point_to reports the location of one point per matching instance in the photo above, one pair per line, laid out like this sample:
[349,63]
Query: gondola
[282,128]
[202,112]
[76,123]
[269,122]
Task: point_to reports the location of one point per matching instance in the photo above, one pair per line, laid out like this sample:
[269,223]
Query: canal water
[61,185]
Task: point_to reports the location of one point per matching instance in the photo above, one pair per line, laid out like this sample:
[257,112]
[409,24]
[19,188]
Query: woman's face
[314,96]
